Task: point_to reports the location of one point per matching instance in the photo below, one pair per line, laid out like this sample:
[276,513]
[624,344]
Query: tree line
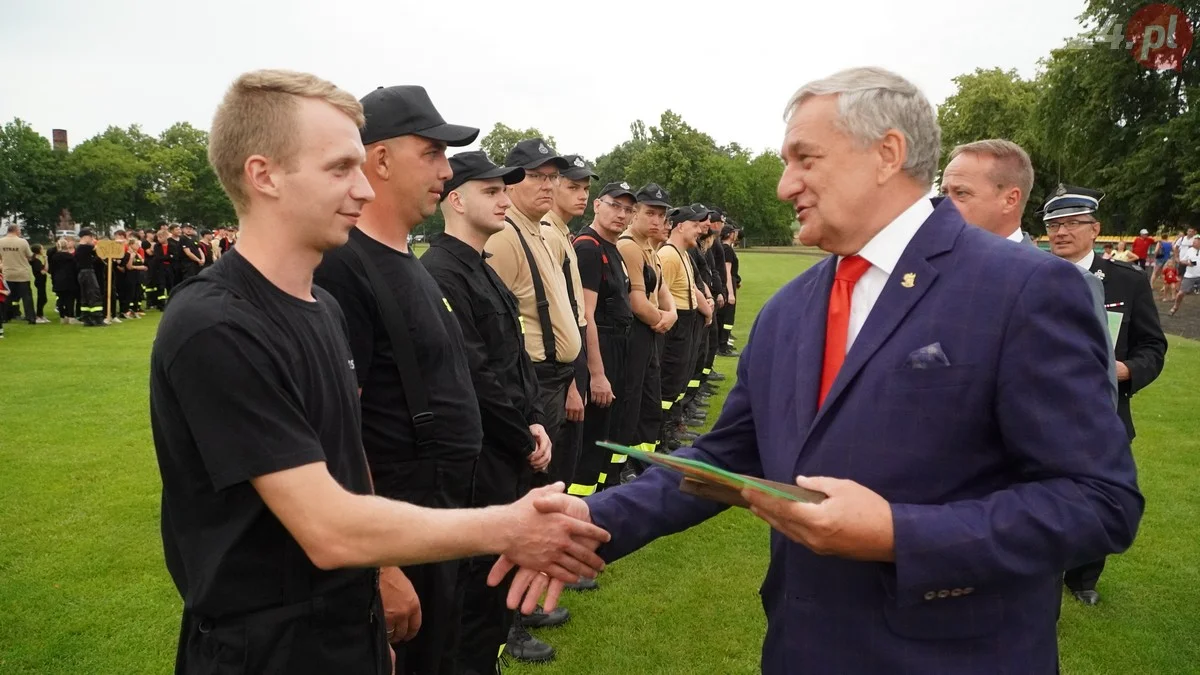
[1094,116]
[1091,116]
[119,176]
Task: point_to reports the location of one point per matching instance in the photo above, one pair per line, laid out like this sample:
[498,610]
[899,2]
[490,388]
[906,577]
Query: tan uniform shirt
[679,276]
[558,240]
[638,252]
[509,262]
[14,256]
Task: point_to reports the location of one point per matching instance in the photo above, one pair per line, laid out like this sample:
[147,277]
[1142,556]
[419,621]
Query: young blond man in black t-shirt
[270,530]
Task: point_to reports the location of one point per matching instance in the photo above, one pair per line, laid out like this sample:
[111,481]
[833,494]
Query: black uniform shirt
[716,258]
[437,341]
[731,258]
[602,269]
[188,244]
[246,380]
[1140,345]
[501,371]
[703,273]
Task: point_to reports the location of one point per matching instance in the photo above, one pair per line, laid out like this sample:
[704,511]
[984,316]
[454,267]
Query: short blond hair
[258,117]
[1012,166]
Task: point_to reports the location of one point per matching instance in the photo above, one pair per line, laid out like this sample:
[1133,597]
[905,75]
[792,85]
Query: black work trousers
[598,422]
[439,484]
[553,379]
[500,478]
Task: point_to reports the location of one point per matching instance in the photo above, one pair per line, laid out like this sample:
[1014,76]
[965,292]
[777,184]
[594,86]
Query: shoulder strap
[539,295]
[566,268]
[603,255]
[411,379]
[686,262]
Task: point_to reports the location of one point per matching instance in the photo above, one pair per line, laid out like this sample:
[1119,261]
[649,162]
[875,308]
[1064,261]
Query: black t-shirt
[437,341]
[246,380]
[602,269]
[731,258]
[188,244]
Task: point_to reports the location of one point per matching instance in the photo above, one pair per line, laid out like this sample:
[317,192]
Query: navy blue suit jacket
[1003,469]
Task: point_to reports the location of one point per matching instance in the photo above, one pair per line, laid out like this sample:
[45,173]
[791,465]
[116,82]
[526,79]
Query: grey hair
[873,100]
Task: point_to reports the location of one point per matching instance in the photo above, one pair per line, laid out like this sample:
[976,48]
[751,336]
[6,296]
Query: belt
[613,330]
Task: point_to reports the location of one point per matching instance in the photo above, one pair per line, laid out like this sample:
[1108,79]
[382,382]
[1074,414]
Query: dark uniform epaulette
[1127,267]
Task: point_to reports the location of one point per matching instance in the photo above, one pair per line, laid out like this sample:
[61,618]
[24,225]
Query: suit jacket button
[956,592]
[930,595]
[943,593]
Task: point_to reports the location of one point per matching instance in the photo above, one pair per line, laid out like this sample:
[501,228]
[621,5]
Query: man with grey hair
[989,181]
[922,397]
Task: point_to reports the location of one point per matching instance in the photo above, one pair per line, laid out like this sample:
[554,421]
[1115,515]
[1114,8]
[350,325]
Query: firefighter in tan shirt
[570,201]
[530,266]
[654,314]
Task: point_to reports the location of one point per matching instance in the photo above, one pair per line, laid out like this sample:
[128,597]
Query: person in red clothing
[1141,248]
[1170,277]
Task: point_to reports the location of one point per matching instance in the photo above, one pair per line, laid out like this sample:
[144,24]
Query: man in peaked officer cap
[1140,346]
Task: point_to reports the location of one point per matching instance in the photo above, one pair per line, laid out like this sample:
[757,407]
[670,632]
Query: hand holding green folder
[712,482]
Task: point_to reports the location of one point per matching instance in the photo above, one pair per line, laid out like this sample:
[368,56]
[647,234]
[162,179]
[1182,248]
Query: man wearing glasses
[525,261]
[1140,345]
[608,312]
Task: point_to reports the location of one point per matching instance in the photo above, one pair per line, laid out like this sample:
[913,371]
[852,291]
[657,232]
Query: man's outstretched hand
[547,571]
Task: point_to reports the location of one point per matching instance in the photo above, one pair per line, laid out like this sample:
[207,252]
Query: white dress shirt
[1085,263]
[883,252]
[1016,235]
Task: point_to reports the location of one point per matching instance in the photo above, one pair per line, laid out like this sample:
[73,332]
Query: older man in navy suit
[946,388]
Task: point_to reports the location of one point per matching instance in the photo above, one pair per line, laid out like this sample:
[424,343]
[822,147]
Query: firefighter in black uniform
[161,261]
[654,314]
[515,443]
[728,313]
[91,299]
[679,349]
[1140,348]
[718,278]
[609,316]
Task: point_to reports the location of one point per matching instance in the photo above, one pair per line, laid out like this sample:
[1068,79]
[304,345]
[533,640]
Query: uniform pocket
[960,618]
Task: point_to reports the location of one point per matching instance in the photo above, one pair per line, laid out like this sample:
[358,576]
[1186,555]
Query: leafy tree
[103,177]
[502,138]
[32,178]
[191,191]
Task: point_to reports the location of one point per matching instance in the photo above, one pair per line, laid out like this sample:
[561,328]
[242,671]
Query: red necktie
[837,325]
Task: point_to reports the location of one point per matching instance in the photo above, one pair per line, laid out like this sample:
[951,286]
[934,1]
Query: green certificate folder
[1114,325]
[712,482]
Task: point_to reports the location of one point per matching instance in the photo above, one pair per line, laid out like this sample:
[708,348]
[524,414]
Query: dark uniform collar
[461,250]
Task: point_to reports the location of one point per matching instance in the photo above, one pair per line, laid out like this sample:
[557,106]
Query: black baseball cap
[406,110]
[85,232]
[653,195]
[475,165]
[618,190]
[579,168]
[683,214]
[532,153]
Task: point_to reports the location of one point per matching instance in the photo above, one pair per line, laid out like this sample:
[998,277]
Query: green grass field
[83,587]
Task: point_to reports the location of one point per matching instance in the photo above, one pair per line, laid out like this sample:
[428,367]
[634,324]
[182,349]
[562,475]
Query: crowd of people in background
[150,264]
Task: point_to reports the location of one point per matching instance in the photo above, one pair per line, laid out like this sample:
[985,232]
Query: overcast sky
[580,71]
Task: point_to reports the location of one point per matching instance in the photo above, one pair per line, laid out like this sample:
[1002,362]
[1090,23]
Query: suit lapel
[811,344]
[936,236]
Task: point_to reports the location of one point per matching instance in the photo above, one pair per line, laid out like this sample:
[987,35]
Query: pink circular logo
[1159,37]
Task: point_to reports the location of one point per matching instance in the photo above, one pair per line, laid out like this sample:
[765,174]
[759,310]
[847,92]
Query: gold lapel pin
[909,281]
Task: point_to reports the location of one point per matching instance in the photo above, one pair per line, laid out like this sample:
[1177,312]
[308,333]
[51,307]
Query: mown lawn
[83,587]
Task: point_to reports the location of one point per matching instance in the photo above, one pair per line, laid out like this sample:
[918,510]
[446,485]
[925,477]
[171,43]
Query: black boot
[542,619]
[524,647]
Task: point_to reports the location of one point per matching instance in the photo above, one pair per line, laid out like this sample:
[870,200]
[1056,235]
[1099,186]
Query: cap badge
[658,195]
[579,162]
[624,186]
[543,149]
[1062,190]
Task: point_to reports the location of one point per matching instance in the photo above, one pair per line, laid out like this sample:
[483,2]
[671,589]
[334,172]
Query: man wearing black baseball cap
[654,314]
[606,307]
[515,443]
[570,201]
[420,415]
[679,353]
[526,259]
